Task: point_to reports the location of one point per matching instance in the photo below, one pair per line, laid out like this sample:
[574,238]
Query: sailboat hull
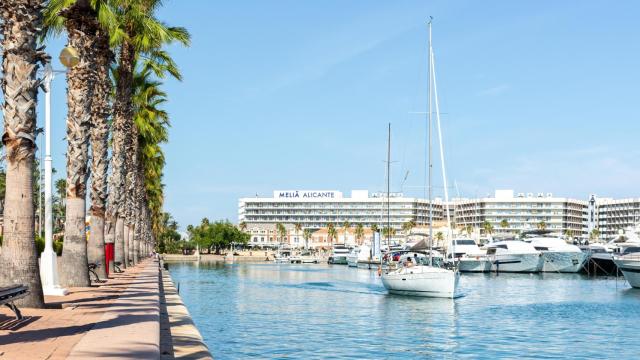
[423,281]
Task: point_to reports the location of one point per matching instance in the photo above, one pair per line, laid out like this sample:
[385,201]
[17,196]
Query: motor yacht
[628,263]
[469,257]
[307,257]
[557,255]
[514,256]
[352,258]
[339,255]
[602,255]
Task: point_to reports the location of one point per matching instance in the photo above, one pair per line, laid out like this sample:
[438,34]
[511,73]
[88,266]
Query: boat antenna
[444,173]
[429,151]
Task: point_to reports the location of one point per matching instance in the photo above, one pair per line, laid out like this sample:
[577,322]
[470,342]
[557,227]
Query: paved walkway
[119,319]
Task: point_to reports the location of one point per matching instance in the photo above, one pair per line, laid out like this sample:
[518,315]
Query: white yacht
[361,257]
[352,257]
[282,258]
[602,255]
[307,257]
[557,255]
[629,264]
[422,280]
[339,255]
[469,256]
[514,256]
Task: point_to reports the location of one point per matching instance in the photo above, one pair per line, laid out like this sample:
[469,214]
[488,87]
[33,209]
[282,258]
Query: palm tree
[569,234]
[487,227]
[469,229]
[297,227]
[374,228]
[331,233]
[504,224]
[359,233]
[439,236]
[144,35]
[87,81]
[242,226]
[408,226]
[306,234]
[22,21]
[346,225]
[595,234]
[152,124]
[542,225]
[281,230]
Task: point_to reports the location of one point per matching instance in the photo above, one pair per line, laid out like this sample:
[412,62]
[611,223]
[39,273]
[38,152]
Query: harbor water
[266,310]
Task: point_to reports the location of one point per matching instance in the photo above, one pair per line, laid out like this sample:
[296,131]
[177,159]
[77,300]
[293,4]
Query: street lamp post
[48,259]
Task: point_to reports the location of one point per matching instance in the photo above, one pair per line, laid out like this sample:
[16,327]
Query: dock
[119,319]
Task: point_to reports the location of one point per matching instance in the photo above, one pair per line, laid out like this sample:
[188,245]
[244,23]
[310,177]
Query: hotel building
[523,212]
[613,215]
[315,210]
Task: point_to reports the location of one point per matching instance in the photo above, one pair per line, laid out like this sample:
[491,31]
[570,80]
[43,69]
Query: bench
[9,294]
[92,270]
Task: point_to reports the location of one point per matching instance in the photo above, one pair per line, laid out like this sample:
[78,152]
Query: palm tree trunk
[122,115]
[131,187]
[127,247]
[81,29]
[99,152]
[22,20]
[120,240]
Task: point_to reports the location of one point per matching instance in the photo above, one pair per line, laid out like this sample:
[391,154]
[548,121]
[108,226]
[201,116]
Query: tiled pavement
[118,319]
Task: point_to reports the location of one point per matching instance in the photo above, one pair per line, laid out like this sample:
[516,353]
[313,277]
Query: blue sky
[538,96]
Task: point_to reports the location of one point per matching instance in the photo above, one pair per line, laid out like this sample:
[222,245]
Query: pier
[118,319]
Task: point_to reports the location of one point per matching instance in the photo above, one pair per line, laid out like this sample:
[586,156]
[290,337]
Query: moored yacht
[469,256]
[629,264]
[352,257]
[339,255]
[514,256]
[557,255]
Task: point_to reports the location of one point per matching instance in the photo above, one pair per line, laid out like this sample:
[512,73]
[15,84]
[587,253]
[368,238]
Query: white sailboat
[423,278]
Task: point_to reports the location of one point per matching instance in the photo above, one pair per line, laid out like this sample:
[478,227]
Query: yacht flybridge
[420,277]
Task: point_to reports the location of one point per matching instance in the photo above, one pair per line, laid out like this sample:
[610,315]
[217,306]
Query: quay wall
[180,338]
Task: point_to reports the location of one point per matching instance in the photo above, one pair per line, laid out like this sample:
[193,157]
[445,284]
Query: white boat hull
[630,269]
[526,263]
[564,262]
[352,261]
[471,264]
[422,281]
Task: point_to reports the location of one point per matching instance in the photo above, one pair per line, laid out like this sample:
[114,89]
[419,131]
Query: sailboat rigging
[425,279]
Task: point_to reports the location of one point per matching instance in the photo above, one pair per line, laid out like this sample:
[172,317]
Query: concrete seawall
[212,257]
[179,337]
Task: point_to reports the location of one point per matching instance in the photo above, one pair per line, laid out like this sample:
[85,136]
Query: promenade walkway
[118,319]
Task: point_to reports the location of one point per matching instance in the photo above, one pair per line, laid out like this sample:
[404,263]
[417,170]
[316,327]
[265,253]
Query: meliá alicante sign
[307,194]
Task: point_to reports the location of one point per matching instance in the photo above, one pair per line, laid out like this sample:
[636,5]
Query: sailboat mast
[444,173]
[389,188]
[429,152]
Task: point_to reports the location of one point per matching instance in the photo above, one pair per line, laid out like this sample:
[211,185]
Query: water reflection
[270,310]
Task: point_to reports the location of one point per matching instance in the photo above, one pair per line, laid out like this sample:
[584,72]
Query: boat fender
[379,271]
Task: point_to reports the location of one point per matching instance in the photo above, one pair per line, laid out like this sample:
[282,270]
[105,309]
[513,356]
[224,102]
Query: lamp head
[69,57]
